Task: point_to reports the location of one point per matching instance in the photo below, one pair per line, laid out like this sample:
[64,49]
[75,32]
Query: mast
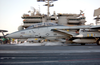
[48,4]
[48,8]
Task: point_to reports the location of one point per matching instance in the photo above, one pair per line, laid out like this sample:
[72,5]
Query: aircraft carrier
[48,53]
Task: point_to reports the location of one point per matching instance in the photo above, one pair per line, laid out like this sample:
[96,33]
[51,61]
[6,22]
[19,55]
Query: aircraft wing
[82,27]
[70,30]
[74,30]
[75,27]
[64,31]
[95,27]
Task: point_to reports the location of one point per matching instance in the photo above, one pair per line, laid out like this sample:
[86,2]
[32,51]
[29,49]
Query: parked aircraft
[3,38]
[51,31]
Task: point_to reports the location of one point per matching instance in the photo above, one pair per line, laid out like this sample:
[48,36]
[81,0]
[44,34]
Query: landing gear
[98,42]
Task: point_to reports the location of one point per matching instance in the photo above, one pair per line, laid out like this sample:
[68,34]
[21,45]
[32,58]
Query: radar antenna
[32,12]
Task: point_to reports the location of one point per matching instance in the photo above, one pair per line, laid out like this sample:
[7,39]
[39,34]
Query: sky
[11,11]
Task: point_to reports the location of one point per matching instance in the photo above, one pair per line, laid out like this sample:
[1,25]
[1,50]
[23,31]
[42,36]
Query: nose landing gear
[98,42]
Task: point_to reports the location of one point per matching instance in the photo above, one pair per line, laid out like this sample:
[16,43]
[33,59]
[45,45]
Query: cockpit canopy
[44,24]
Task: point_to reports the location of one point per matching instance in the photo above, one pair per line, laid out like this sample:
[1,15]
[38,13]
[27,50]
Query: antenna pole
[39,8]
[48,8]
[47,4]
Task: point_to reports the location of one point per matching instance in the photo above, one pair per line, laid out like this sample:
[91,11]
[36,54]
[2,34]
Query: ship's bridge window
[42,25]
[32,17]
[74,19]
[52,18]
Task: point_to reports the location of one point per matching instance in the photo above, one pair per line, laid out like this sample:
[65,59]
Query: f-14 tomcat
[48,30]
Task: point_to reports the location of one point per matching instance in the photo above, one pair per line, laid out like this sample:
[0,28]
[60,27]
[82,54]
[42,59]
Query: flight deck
[24,54]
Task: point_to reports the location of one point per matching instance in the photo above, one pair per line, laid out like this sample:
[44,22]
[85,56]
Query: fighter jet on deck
[51,31]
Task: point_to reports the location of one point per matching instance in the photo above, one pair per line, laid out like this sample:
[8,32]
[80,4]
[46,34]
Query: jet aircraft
[48,30]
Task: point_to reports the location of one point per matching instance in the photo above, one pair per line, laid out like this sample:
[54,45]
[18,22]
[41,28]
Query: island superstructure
[97,16]
[31,19]
[71,19]
[62,19]
[36,17]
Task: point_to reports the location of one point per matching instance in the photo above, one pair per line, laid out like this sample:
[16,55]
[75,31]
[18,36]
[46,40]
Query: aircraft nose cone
[10,36]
